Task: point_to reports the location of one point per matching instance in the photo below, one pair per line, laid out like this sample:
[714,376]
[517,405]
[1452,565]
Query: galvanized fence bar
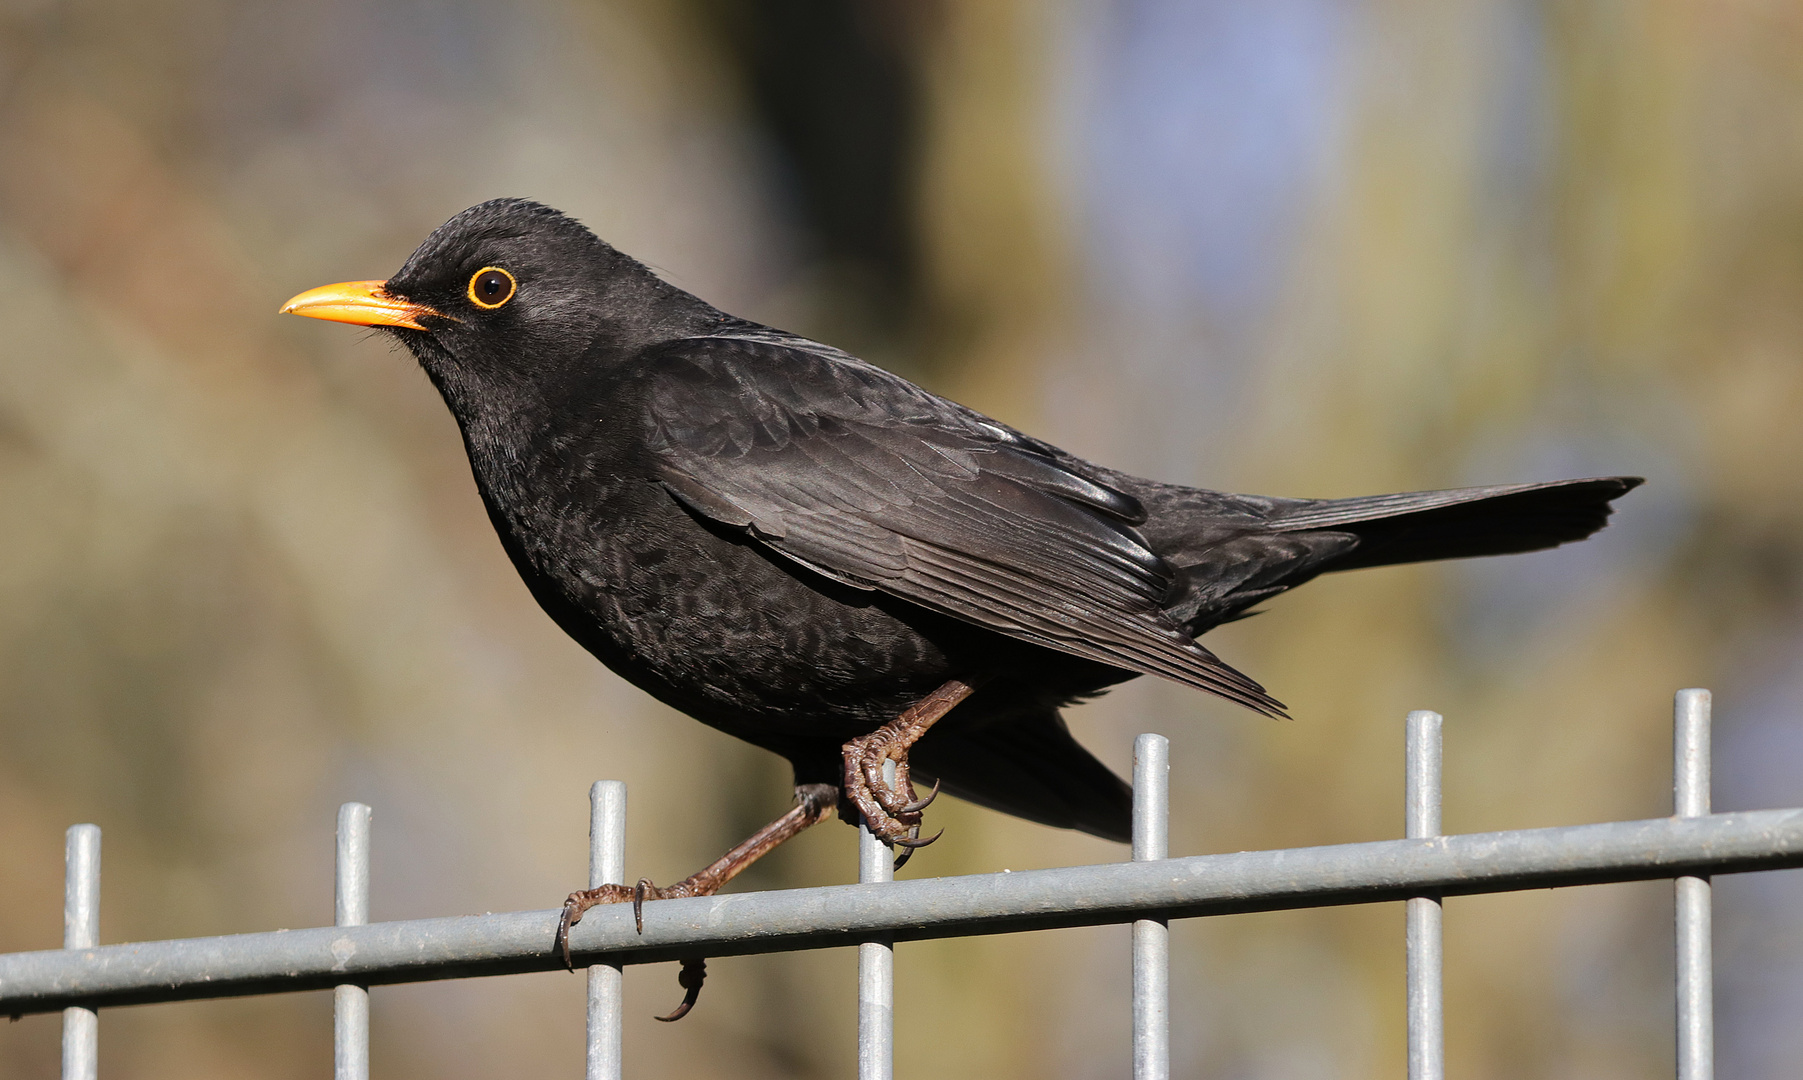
[1421,799]
[839,915]
[1151,937]
[876,964]
[606,979]
[350,1001]
[1690,798]
[81,930]
[1688,848]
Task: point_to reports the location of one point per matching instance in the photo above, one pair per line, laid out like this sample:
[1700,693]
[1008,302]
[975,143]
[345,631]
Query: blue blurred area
[1207,137]
[1202,135]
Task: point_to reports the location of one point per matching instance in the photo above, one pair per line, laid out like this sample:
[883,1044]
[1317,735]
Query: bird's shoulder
[700,385]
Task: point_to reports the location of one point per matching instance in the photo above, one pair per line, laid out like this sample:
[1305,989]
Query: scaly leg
[813,804]
[890,808]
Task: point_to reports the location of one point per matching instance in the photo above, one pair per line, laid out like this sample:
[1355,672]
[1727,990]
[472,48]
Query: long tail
[1461,523]
[1278,544]
[1235,551]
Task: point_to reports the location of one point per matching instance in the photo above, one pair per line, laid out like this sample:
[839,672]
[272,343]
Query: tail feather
[1229,562]
[1241,550]
[1032,767]
[1461,523]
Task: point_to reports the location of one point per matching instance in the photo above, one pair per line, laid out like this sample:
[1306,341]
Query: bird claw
[576,905]
[890,808]
[913,843]
[918,805]
[580,902]
[909,846]
[638,903]
[813,803]
[889,805]
[690,978]
[561,943]
[896,795]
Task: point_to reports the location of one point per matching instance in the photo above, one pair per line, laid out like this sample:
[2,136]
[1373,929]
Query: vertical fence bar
[876,966]
[81,930]
[350,1001]
[606,982]
[1151,937]
[1421,810]
[1690,798]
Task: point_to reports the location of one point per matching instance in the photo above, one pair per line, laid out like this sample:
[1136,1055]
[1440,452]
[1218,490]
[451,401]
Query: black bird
[821,558]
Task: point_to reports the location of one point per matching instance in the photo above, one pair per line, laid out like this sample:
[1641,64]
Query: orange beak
[361,303]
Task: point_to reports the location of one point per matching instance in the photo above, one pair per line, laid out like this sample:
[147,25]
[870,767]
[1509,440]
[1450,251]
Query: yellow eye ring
[490,287]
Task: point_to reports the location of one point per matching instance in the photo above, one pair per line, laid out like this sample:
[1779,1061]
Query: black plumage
[795,546]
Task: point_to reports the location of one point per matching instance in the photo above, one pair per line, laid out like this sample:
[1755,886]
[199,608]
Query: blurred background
[1303,247]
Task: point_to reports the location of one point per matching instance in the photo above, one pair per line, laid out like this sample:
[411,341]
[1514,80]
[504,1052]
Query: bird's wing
[863,477]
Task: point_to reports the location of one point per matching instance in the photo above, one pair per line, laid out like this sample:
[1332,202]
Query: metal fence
[874,914]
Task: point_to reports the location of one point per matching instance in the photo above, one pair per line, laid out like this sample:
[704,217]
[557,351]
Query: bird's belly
[734,635]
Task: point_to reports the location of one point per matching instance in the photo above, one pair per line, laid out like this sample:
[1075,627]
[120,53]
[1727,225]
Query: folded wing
[869,480]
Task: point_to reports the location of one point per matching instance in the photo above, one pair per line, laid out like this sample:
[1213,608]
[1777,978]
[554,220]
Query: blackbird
[819,557]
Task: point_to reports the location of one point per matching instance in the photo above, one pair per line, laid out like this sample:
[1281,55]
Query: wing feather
[866,478]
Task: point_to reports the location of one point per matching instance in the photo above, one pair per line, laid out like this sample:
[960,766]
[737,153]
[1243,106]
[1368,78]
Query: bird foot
[580,902]
[813,803]
[693,973]
[891,807]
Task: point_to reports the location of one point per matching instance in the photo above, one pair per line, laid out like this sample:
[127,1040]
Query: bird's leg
[890,807]
[813,803]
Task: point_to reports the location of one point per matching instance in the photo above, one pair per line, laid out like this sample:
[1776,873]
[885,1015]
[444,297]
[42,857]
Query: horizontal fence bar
[840,915]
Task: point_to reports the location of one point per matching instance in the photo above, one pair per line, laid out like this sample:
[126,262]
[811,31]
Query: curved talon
[562,941]
[896,796]
[912,843]
[889,805]
[891,831]
[902,859]
[690,978]
[638,903]
[918,805]
[897,801]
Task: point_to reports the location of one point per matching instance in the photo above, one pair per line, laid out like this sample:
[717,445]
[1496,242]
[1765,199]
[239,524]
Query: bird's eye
[491,287]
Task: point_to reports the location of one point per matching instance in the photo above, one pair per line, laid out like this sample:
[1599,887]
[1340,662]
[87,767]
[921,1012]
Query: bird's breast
[704,618]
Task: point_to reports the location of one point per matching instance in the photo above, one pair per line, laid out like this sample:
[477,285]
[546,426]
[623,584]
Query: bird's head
[508,291]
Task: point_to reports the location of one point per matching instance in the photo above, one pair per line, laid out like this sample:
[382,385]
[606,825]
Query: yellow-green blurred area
[1301,247]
